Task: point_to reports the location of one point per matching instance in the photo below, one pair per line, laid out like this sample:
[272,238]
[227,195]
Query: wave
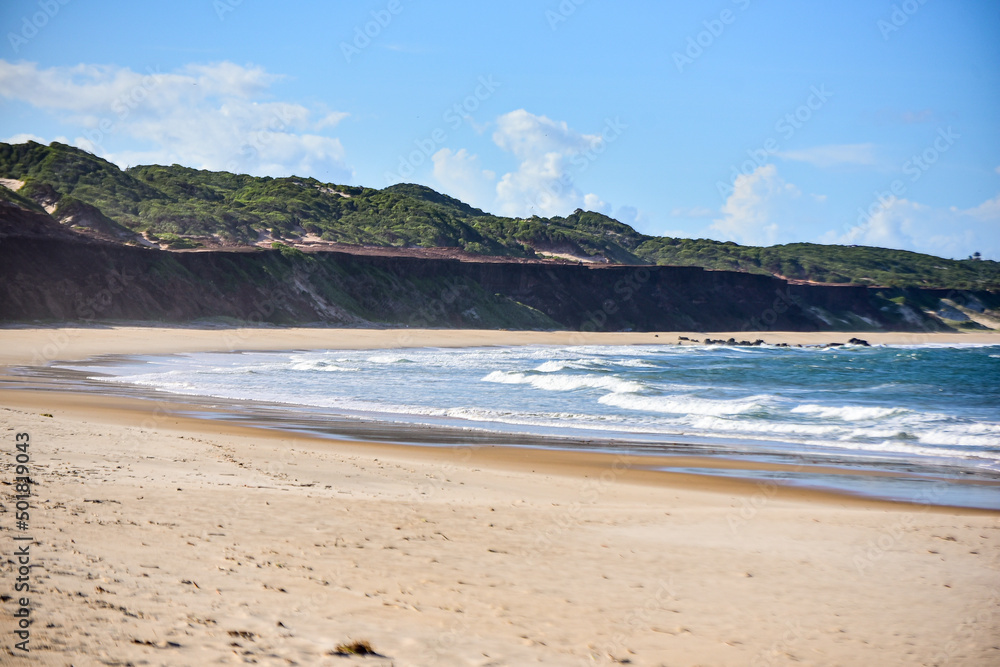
[320,365]
[952,437]
[553,382]
[691,405]
[760,427]
[389,359]
[556,366]
[847,412]
[759,399]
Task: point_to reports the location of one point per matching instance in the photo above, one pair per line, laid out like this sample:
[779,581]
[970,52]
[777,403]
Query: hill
[175,207]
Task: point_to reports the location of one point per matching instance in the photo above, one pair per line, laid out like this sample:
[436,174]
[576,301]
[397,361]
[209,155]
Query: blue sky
[847,121]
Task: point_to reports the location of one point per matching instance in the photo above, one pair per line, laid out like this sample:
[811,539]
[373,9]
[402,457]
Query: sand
[168,539]
[27,345]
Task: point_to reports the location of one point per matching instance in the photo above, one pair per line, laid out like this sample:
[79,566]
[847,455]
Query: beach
[164,534]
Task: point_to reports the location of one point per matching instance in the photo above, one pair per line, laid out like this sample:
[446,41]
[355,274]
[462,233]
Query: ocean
[923,414]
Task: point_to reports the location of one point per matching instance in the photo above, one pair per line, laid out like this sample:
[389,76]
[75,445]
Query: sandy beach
[163,537]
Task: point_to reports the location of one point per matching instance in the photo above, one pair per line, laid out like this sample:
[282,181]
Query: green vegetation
[175,242]
[827,263]
[187,208]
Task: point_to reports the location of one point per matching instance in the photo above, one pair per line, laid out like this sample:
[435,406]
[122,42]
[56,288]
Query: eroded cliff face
[51,274]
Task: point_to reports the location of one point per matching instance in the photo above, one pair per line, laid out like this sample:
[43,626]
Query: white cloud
[759,201]
[542,184]
[461,176]
[833,155]
[208,116]
[592,202]
[548,152]
[988,211]
[945,232]
[25,137]
[529,136]
[331,119]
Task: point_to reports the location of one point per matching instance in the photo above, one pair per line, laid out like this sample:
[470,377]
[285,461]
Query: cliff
[53,274]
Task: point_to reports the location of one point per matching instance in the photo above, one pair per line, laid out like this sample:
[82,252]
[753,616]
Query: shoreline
[723,472]
[823,474]
[709,460]
[176,539]
[29,345]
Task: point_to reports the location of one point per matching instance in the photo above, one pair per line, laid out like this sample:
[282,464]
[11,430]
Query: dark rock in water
[858,341]
[731,342]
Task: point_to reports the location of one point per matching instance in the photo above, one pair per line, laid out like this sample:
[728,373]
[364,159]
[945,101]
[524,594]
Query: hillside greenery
[186,208]
[827,263]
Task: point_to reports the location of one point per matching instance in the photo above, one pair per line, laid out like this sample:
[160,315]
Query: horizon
[842,124]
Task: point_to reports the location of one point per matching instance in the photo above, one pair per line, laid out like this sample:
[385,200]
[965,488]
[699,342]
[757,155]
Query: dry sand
[161,539]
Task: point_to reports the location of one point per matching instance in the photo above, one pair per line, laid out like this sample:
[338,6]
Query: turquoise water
[931,407]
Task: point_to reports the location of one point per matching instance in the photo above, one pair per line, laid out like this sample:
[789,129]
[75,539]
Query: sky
[867,122]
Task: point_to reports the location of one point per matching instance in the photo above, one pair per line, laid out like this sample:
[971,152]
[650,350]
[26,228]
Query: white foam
[960,438]
[556,366]
[759,428]
[554,382]
[388,359]
[682,405]
[633,363]
[613,394]
[320,365]
[847,412]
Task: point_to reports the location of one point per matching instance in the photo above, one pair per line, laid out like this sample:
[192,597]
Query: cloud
[209,116]
[758,202]
[461,175]
[833,155]
[548,154]
[941,231]
[592,202]
[528,136]
[331,119]
[543,183]
[988,211]
[25,137]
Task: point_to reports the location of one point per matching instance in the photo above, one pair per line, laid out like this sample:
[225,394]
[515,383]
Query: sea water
[932,408]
